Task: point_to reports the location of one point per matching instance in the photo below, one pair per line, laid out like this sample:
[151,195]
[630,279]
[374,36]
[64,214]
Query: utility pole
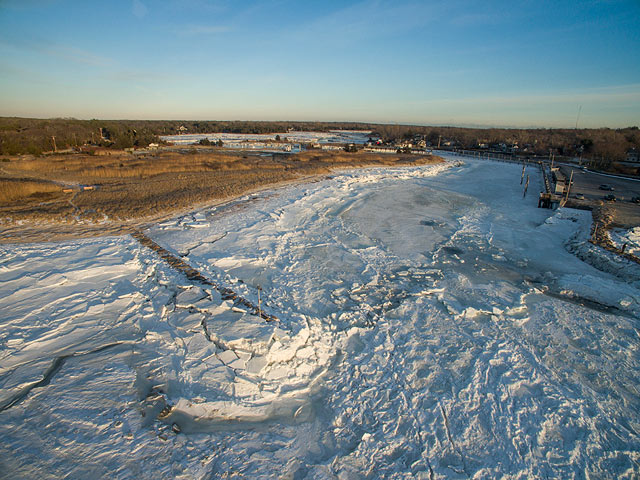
[53,139]
[439,138]
[569,186]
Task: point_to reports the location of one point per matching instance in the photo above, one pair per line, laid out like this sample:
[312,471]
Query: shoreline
[44,231]
[52,231]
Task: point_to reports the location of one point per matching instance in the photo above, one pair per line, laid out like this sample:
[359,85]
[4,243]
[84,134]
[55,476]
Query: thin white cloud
[77,55]
[146,77]
[204,29]
[139,9]
[613,106]
[58,51]
[608,94]
[369,19]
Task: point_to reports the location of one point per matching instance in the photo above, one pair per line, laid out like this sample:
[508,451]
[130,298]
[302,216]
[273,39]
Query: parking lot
[627,214]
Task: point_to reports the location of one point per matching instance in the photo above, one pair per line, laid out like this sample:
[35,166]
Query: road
[627,214]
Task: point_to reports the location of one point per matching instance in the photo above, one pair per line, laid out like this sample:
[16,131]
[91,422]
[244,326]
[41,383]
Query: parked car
[579,196]
[606,187]
[610,198]
[635,199]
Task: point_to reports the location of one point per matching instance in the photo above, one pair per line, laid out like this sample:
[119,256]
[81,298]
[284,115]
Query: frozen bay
[432,323]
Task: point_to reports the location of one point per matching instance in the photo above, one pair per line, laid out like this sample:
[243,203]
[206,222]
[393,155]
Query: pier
[194,275]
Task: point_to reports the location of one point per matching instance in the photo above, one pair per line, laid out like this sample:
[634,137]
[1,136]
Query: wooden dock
[194,275]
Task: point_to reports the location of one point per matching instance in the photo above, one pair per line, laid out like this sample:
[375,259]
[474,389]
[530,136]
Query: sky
[516,63]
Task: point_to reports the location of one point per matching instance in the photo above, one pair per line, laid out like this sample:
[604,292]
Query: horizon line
[400,124]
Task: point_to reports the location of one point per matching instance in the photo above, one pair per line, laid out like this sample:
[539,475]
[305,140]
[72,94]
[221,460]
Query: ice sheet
[433,323]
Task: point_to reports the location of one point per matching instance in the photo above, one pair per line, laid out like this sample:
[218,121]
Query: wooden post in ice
[522,176]
[526,186]
[259,310]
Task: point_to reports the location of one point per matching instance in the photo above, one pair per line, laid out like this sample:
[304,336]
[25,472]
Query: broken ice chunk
[278,372]
[256,364]
[244,388]
[305,352]
[238,364]
[190,296]
[227,356]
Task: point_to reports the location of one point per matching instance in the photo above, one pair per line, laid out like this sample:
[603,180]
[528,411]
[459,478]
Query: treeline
[27,135]
[173,127]
[35,136]
[602,144]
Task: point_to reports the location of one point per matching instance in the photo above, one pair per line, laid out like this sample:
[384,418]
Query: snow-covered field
[432,324]
[334,136]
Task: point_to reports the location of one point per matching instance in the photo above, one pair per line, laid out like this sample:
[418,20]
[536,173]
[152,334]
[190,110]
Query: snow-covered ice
[630,238]
[333,136]
[433,323]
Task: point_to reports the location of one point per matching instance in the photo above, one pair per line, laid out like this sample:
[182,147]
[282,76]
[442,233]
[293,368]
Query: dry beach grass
[19,190]
[61,196]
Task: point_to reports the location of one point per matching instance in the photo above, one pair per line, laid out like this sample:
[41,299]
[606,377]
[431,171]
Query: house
[381,149]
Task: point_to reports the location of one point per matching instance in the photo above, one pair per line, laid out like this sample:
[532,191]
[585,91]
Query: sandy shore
[126,194]
[33,231]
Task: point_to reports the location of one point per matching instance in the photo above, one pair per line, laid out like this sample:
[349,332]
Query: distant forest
[35,136]
[601,146]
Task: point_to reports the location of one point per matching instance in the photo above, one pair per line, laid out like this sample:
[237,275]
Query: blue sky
[454,62]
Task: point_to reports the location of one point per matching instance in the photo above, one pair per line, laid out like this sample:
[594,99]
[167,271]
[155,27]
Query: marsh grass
[12,190]
[129,187]
[128,166]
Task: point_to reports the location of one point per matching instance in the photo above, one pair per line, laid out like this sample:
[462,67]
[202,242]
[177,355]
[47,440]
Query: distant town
[614,150]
